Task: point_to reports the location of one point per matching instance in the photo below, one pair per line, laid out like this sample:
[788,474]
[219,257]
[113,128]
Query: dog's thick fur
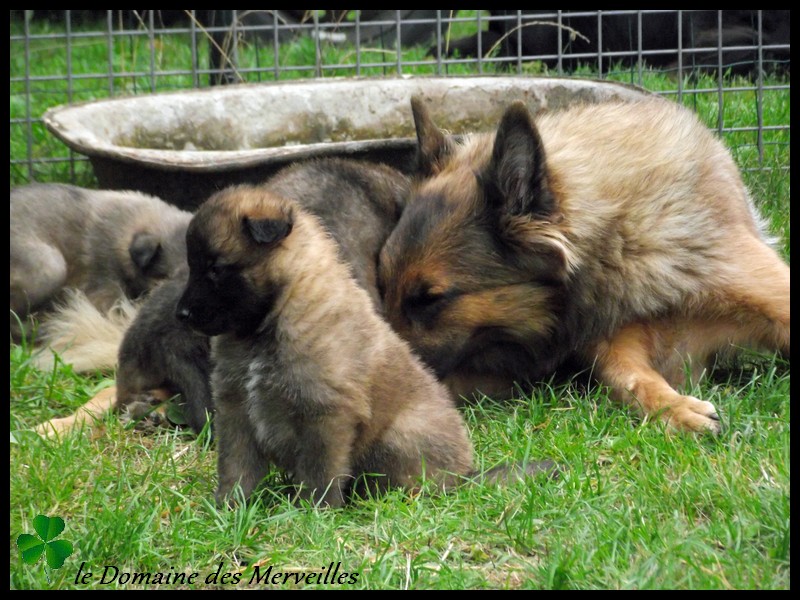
[306,374]
[619,234]
[81,335]
[359,204]
[159,358]
[108,244]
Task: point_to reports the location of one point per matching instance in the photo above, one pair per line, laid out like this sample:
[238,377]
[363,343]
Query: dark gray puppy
[160,357]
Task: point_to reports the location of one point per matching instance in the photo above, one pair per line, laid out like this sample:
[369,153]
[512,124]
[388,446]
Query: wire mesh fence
[731,66]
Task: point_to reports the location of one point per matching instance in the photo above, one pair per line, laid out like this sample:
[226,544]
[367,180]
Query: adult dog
[619,234]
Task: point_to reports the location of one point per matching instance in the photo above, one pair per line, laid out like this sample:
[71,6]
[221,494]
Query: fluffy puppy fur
[306,374]
[108,244]
[161,357]
[358,204]
[81,335]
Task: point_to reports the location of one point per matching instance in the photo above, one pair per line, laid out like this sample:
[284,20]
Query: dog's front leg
[324,466]
[625,363]
[239,458]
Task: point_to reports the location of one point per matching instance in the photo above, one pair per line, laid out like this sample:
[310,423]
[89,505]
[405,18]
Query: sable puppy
[619,234]
[108,244]
[306,374]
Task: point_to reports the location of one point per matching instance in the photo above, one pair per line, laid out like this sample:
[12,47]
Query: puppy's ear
[432,145]
[268,231]
[516,180]
[144,250]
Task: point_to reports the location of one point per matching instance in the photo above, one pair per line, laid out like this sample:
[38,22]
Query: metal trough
[183,146]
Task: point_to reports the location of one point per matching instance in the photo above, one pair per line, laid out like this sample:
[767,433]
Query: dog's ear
[516,180]
[268,231]
[432,145]
[144,250]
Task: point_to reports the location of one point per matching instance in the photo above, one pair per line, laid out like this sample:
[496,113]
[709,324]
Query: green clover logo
[56,551]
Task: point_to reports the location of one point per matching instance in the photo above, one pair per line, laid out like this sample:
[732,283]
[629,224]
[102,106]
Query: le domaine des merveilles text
[330,575]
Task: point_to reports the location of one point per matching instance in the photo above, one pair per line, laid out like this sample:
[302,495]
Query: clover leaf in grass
[33,546]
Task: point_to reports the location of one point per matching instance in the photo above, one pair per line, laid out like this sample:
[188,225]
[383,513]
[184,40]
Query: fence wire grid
[708,60]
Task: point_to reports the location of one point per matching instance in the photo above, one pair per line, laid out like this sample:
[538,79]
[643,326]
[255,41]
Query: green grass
[633,508]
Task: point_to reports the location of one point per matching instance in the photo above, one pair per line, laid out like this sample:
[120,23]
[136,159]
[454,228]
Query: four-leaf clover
[56,551]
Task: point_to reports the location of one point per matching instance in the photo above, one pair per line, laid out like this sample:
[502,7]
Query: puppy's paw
[143,410]
[687,413]
[224,499]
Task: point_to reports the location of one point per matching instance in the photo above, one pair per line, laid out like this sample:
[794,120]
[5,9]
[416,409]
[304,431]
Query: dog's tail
[82,336]
[506,474]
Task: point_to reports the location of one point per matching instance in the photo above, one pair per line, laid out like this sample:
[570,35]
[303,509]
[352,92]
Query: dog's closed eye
[425,304]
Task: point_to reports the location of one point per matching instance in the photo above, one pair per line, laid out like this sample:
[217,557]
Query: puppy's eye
[215,271]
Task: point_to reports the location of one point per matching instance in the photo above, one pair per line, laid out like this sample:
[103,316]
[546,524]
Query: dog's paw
[143,410]
[687,413]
